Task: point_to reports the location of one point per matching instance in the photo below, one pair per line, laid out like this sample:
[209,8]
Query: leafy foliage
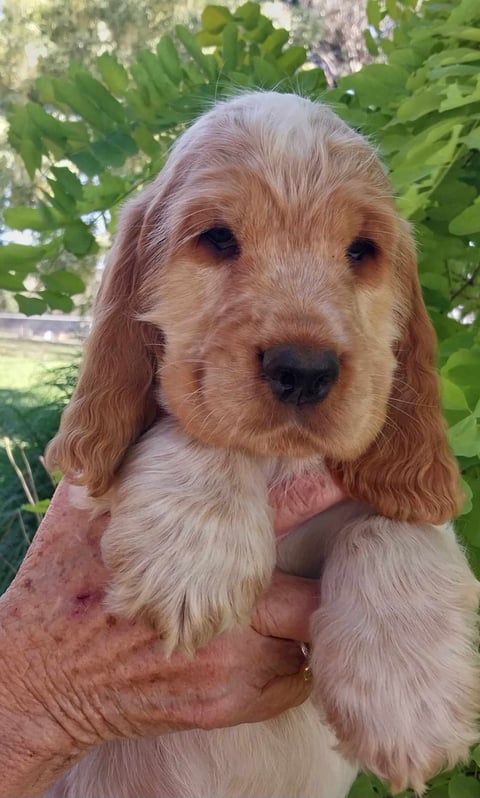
[91,139]
[29,419]
[94,136]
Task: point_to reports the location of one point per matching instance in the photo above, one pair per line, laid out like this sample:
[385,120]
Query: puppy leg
[190,543]
[395,641]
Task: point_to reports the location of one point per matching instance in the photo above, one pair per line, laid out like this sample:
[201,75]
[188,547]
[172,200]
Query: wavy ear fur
[114,400]
[409,472]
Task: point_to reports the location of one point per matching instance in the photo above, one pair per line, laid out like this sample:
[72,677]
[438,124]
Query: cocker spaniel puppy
[261,316]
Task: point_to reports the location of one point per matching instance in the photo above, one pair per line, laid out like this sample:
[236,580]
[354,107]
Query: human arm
[72,676]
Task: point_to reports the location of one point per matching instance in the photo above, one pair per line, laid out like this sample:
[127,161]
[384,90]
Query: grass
[36,379]
[24,365]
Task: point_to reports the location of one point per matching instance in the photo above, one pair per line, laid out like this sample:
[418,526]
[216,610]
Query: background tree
[45,38]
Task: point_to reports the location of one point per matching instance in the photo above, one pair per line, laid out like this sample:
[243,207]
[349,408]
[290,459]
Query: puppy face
[278,244]
[264,291]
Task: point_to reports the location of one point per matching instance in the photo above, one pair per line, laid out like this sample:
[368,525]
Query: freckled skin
[73,676]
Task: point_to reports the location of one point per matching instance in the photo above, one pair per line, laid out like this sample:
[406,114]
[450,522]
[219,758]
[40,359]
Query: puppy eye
[222,240]
[361,249]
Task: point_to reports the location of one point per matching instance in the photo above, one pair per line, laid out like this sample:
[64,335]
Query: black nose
[300,375]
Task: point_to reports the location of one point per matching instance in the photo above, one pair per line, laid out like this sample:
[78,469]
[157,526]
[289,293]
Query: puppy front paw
[189,597]
[403,736]
[394,655]
[190,543]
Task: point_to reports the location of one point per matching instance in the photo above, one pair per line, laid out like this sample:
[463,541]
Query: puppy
[261,316]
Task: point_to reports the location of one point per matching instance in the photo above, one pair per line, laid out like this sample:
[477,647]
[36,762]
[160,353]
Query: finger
[281,658]
[285,610]
[300,499]
[281,694]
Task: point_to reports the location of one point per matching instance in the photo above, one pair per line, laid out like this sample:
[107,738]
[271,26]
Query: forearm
[25,773]
[36,739]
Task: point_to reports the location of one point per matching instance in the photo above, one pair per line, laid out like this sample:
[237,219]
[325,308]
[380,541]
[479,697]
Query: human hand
[72,676]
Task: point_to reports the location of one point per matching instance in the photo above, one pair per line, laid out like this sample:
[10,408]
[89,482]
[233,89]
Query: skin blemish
[85,599]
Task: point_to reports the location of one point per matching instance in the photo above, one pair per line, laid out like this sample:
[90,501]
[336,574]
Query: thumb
[285,610]
[282,693]
[303,497]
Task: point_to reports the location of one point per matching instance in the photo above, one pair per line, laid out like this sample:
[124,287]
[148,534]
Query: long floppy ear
[114,399]
[409,472]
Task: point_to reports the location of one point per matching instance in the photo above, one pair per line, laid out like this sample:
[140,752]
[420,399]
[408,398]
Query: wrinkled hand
[72,676]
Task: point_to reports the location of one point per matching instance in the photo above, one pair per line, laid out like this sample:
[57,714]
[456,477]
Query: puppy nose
[300,375]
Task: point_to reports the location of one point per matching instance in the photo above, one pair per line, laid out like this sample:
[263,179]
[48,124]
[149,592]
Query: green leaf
[453,397]
[103,196]
[124,142]
[39,507]
[469,34]
[310,82]
[462,786]
[440,791]
[87,163]
[49,126]
[392,8]
[472,140]
[32,156]
[371,43]
[468,492]
[205,39]
[61,201]
[69,182]
[13,255]
[455,97]
[292,59]
[274,43]
[113,73]
[11,282]
[467,222]
[74,97]
[44,87]
[266,74]
[145,141]
[78,239]
[100,96]
[214,18]
[475,754]
[193,48]
[57,301]
[366,786]
[422,103]
[157,76]
[23,218]
[374,14]
[248,14]
[230,46]
[63,282]
[30,306]
[169,59]
[464,12]
[464,437]
[261,32]
[376,85]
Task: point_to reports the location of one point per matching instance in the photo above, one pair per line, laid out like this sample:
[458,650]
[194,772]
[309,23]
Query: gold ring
[307,671]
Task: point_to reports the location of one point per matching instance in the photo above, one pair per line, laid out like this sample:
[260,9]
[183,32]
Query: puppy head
[263,291]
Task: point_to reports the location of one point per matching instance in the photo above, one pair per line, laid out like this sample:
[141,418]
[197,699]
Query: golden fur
[174,353]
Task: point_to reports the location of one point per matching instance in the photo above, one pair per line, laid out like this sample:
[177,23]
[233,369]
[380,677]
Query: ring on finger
[306,670]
